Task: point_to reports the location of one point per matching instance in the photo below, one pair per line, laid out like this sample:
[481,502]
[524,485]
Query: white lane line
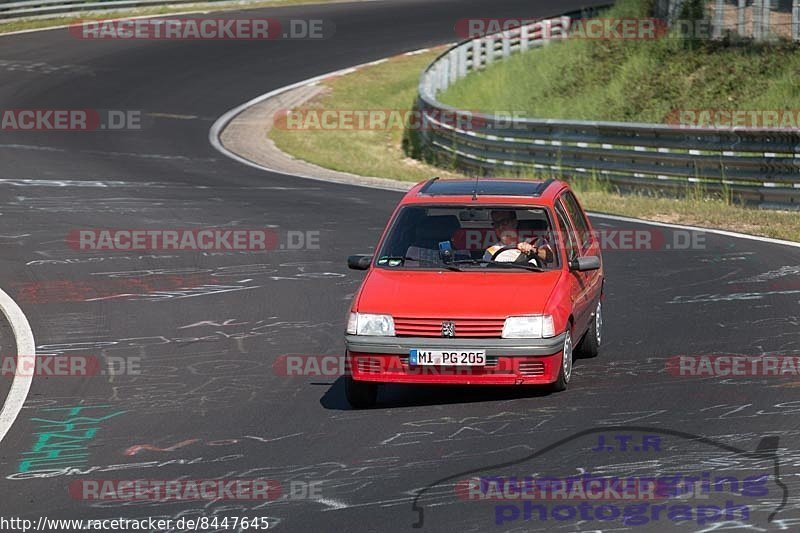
[219,125]
[723,232]
[26,358]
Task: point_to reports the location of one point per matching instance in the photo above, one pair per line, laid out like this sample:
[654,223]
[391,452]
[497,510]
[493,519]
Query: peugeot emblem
[448,329]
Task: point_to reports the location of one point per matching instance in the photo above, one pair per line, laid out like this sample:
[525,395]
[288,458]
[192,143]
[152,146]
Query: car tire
[565,370]
[360,394]
[590,345]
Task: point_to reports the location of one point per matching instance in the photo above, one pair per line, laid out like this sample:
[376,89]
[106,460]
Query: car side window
[579,219]
[568,232]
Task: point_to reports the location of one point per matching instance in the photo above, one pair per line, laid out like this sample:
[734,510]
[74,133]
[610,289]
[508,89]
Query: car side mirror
[359,262]
[582,264]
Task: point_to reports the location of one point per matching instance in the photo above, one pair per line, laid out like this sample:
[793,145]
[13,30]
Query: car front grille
[464,327]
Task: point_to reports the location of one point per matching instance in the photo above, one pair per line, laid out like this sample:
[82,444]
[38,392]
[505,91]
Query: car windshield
[467,238]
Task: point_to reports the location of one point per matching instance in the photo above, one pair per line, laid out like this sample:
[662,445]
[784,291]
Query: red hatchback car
[476,282]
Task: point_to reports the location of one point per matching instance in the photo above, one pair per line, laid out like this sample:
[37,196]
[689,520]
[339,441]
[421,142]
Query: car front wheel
[565,372]
[590,345]
[360,394]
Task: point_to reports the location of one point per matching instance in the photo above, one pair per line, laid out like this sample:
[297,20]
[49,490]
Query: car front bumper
[509,361]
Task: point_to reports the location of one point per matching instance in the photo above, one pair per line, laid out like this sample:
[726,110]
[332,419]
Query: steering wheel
[521,257]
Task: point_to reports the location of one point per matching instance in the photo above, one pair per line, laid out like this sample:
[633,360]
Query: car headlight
[529,327]
[366,324]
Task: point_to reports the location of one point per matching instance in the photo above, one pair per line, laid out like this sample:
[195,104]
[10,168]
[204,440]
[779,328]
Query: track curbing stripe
[26,358]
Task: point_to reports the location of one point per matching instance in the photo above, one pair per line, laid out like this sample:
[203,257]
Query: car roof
[485,191]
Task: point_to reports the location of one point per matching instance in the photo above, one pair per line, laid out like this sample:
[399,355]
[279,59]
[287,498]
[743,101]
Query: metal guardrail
[754,166]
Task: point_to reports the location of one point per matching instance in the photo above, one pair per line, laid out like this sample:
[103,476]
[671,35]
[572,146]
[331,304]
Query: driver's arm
[526,247]
[544,250]
[541,248]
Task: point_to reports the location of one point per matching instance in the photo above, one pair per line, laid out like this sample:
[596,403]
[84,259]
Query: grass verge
[392,85]
[389,87]
[175,9]
[634,80]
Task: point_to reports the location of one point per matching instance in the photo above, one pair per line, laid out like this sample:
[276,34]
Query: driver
[505,227]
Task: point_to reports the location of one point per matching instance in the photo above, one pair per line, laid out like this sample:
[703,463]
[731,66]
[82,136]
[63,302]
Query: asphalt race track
[205,329]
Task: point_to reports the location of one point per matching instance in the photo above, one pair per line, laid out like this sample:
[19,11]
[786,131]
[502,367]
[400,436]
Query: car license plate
[447,357]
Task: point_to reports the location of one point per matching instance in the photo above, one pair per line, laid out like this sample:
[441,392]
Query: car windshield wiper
[500,263]
[421,260]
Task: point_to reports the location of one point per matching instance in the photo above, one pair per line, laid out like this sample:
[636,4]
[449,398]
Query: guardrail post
[506,43]
[462,61]
[523,38]
[476,54]
[662,9]
[453,64]
[741,27]
[719,20]
[761,22]
[756,20]
[446,73]
[566,23]
[547,30]
[673,10]
[796,20]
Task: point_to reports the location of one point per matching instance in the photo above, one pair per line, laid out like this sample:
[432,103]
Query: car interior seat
[429,233]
